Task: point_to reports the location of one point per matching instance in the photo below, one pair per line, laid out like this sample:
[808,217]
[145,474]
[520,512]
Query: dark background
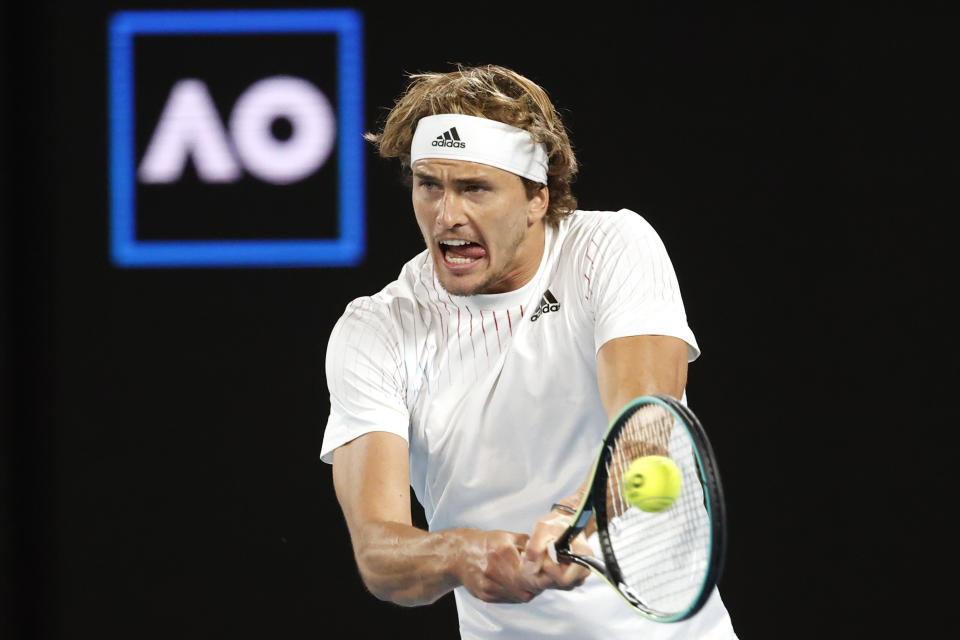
[161,427]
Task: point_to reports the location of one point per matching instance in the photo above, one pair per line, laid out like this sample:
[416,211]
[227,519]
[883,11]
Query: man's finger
[552,551]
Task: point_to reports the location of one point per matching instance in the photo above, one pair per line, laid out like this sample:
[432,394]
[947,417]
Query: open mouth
[461,252]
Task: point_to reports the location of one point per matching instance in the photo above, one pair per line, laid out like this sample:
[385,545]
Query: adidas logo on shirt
[449,138]
[547,304]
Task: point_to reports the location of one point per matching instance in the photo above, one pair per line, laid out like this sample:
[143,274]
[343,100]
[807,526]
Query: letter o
[310,143]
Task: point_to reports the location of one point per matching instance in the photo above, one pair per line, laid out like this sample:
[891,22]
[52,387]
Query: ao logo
[190,127]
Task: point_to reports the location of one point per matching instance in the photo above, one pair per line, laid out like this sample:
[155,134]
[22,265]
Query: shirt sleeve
[633,286]
[364,376]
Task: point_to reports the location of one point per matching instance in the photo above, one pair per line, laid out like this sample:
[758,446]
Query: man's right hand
[490,567]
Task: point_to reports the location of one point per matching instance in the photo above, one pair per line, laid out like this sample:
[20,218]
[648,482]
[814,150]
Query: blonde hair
[491,92]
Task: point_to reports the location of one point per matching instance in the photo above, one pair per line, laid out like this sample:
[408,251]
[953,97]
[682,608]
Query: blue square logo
[236,138]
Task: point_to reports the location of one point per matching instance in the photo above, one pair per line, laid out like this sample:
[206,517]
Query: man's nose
[451,212]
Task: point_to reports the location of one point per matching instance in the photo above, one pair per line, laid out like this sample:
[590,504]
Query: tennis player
[486,375]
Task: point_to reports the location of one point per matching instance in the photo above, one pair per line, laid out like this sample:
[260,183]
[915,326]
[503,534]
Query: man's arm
[406,565]
[627,368]
[635,366]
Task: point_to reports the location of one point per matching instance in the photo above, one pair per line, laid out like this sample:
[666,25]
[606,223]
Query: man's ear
[538,205]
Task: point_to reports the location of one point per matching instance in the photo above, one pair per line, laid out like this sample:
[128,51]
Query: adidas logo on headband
[449,138]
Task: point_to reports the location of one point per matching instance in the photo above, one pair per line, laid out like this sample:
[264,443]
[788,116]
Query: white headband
[453,136]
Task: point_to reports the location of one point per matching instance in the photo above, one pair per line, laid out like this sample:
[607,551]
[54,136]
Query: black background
[161,427]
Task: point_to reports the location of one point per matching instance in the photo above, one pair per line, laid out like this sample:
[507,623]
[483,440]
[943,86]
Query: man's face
[483,233]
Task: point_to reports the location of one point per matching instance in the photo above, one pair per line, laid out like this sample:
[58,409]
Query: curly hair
[491,92]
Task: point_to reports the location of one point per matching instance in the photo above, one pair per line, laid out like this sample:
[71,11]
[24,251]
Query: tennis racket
[664,564]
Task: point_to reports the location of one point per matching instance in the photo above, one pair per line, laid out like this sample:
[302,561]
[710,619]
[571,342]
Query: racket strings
[662,556]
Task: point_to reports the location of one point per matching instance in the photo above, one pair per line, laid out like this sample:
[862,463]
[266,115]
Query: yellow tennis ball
[652,483]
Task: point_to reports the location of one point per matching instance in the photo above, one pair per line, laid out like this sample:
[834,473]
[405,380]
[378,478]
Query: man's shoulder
[382,306]
[586,221]
[584,229]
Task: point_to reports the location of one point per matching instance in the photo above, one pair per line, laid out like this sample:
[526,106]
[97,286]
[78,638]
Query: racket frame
[593,504]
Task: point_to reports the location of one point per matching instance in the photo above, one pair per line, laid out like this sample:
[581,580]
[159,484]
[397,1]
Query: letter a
[189,126]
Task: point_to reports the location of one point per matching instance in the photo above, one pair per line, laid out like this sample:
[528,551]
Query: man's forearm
[406,565]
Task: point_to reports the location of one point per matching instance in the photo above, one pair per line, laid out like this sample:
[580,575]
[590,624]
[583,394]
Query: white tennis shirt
[497,397]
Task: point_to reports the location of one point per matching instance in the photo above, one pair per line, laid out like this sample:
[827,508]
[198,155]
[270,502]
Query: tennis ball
[652,483]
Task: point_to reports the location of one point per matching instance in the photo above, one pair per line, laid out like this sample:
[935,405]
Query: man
[487,373]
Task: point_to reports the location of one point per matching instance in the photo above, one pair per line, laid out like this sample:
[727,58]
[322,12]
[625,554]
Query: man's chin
[465,285]
[459,287]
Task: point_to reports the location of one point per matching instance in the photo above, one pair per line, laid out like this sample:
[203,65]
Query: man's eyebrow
[472,180]
[423,175]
